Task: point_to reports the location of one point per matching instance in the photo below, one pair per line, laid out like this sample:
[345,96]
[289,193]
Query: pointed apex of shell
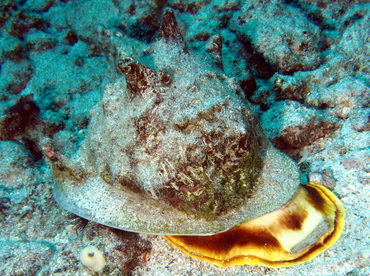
[169,30]
[214,48]
[139,77]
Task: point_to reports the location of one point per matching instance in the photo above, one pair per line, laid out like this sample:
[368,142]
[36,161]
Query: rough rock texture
[327,13]
[12,48]
[291,87]
[19,120]
[84,26]
[40,41]
[22,22]
[24,258]
[291,125]
[342,97]
[287,40]
[16,168]
[354,42]
[140,19]
[236,60]
[123,251]
[15,76]
[6,10]
[39,237]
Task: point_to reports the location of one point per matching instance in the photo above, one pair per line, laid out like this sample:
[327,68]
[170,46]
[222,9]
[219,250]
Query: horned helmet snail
[174,149]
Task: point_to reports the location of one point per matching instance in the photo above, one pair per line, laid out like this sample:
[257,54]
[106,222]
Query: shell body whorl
[173,148]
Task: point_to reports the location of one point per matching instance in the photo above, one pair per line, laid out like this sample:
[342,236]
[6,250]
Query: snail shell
[173,148]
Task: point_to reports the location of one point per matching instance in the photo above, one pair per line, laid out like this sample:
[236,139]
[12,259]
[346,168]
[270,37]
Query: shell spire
[169,30]
[139,78]
[214,48]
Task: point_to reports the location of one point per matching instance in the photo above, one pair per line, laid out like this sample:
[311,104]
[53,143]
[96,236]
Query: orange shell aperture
[306,226]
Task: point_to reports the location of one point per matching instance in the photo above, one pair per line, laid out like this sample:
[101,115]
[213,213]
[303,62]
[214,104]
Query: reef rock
[288,41]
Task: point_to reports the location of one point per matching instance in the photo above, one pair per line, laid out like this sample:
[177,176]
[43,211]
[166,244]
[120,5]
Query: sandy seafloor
[304,65]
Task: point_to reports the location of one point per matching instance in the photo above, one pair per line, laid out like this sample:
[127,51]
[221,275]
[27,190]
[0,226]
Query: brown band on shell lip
[334,235]
[224,242]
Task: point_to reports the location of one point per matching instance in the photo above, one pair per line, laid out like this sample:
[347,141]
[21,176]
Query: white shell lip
[101,202]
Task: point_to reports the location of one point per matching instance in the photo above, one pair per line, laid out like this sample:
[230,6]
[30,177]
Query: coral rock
[286,39]
[290,125]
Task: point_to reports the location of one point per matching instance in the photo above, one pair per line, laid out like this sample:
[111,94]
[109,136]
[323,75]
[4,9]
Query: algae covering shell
[173,148]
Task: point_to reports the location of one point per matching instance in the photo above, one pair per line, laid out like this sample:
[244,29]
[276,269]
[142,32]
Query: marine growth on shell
[174,148]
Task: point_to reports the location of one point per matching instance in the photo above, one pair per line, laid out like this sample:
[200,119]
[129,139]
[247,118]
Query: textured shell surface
[173,148]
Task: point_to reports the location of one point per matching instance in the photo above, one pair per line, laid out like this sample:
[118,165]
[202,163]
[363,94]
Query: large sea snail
[174,148]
